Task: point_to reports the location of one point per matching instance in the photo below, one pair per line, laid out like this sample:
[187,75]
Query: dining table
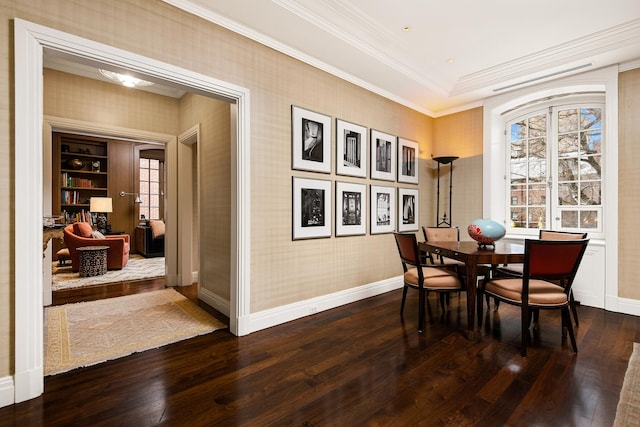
[473,255]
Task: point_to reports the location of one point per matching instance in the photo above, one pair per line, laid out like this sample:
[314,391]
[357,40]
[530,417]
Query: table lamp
[101,206]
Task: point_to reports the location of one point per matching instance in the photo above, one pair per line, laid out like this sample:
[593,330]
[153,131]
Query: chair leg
[574,310]
[524,320]
[404,297]
[567,321]
[445,297]
[421,311]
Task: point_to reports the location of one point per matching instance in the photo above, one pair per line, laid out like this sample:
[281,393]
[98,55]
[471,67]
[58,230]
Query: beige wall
[214,149]
[629,177]
[80,98]
[459,135]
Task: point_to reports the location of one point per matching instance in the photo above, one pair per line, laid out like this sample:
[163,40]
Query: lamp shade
[101,204]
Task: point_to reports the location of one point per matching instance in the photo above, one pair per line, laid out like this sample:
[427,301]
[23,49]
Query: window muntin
[150,188]
[555,168]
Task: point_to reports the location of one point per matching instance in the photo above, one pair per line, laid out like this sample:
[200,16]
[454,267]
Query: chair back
[553,260]
[561,235]
[441,234]
[408,249]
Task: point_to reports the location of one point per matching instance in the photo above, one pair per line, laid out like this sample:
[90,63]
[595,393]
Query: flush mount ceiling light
[124,79]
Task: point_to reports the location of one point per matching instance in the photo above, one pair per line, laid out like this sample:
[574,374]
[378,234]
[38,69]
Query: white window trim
[494,161]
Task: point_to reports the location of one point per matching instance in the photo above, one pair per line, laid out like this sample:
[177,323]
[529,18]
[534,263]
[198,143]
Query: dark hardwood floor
[357,365]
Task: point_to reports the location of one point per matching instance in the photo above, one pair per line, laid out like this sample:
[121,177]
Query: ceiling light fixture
[124,79]
[406,28]
[450,61]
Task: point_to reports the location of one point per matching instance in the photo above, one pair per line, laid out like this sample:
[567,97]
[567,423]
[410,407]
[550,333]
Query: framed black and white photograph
[383,156]
[351,149]
[310,140]
[311,208]
[407,161]
[383,209]
[408,215]
[351,209]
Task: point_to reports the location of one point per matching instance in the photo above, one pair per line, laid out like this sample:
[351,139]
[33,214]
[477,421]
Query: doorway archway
[31,41]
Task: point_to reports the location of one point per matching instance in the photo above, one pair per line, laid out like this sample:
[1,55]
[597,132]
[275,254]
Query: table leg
[472,281]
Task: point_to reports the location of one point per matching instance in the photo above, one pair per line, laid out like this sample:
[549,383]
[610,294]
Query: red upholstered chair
[515,270]
[546,263]
[81,234]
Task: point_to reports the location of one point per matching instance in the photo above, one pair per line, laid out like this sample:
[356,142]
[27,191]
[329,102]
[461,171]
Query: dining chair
[546,263]
[516,270]
[442,234]
[421,277]
[450,234]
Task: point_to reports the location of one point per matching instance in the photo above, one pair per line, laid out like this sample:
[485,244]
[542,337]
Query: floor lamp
[445,160]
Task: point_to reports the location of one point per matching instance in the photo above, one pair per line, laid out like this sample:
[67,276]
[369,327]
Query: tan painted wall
[629,177]
[214,149]
[459,135]
[80,98]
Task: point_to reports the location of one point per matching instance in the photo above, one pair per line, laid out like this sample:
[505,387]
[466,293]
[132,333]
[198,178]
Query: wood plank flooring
[357,365]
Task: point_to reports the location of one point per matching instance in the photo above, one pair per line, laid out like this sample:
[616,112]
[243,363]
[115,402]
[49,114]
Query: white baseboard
[213,300]
[7,391]
[628,306]
[276,316]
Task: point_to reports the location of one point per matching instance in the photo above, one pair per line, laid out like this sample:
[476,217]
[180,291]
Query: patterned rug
[628,412]
[87,333]
[138,267]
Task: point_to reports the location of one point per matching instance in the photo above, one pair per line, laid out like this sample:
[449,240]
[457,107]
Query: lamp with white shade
[101,206]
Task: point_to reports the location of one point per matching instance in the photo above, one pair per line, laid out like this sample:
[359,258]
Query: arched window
[554,173]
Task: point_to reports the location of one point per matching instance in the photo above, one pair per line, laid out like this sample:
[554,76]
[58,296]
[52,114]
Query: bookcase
[80,171]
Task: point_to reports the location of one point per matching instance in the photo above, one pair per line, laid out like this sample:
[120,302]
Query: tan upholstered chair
[422,277]
[546,263]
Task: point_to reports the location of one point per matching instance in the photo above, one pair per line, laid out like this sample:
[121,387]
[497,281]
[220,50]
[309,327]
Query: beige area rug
[628,412]
[87,333]
[137,268]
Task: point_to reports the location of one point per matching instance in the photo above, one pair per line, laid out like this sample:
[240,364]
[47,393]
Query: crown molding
[365,35]
[261,38]
[550,59]
[630,65]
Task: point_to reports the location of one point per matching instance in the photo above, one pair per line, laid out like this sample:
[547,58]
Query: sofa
[150,239]
[81,234]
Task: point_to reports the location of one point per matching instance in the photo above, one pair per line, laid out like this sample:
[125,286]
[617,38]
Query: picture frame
[383,156]
[351,149]
[311,213]
[310,140]
[383,209]
[408,158]
[351,209]
[408,209]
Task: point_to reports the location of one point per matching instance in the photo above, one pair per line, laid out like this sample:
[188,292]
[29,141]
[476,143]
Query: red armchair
[80,234]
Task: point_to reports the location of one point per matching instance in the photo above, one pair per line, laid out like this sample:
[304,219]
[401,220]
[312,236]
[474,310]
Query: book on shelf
[74,181]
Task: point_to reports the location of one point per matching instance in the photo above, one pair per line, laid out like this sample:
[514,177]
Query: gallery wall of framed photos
[390,159]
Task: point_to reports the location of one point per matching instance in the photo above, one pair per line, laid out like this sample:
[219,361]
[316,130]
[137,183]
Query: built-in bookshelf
[80,171]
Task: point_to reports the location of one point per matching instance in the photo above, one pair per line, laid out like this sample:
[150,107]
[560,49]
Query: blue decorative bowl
[486,231]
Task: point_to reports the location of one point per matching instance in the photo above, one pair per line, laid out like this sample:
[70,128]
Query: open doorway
[126,175]
[30,42]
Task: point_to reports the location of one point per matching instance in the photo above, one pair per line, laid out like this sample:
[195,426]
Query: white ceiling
[494,43]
